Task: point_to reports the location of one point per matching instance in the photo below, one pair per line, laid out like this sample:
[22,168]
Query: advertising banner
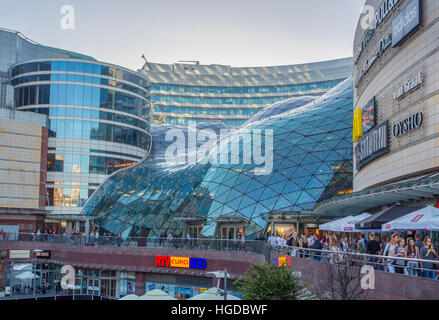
[406,22]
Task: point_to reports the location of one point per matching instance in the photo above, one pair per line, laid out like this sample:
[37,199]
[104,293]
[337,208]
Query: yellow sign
[358,125]
[180,262]
[282,261]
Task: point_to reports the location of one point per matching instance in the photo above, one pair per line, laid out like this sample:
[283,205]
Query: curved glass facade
[99,118]
[217,93]
[312,161]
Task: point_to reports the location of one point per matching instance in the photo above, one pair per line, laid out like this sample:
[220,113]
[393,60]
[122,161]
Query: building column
[140,283]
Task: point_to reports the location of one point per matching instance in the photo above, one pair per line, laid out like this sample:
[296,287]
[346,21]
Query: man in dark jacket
[373,247]
[317,245]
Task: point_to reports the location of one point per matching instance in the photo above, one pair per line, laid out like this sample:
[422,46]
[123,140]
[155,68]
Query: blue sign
[406,22]
[197,263]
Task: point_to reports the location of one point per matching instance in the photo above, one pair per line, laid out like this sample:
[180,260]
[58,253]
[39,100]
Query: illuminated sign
[180,262]
[410,85]
[384,10]
[406,22]
[380,48]
[282,261]
[42,254]
[358,125]
[373,145]
[409,124]
[368,116]
[19,254]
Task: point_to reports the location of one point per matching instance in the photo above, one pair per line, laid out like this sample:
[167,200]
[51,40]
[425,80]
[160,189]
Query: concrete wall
[388,286]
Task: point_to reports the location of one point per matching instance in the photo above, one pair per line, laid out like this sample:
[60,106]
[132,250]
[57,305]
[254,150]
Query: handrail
[365,255]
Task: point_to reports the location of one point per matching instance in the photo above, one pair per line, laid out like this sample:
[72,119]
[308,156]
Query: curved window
[80,95]
[85,163]
[227,100]
[184,121]
[79,67]
[246,90]
[91,130]
[206,111]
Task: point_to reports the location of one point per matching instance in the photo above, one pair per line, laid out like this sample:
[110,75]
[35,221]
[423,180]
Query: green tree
[270,282]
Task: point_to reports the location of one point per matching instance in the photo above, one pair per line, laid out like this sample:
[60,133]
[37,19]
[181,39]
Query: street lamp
[221,274]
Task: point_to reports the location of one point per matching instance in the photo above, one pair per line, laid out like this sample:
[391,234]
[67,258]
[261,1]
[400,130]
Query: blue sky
[232,32]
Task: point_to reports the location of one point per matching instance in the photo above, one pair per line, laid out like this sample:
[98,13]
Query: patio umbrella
[130,297]
[156,294]
[211,295]
[423,219]
[27,275]
[384,216]
[348,225]
[329,226]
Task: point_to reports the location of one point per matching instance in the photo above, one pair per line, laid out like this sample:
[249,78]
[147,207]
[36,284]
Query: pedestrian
[344,245]
[272,241]
[363,240]
[412,253]
[400,252]
[335,252]
[373,248]
[418,241]
[293,241]
[310,239]
[391,252]
[317,245]
[428,253]
[359,247]
[303,244]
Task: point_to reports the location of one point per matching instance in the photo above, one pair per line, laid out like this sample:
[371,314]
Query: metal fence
[401,265]
[251,246]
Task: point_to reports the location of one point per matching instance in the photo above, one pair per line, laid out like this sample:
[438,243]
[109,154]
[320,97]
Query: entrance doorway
[93,286]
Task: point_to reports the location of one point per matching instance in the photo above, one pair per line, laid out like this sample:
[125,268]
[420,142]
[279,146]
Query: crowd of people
[93,238]
[333,248]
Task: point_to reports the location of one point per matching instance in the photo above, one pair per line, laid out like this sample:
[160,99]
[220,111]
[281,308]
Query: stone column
[140,283]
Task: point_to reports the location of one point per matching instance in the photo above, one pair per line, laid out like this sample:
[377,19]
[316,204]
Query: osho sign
[409,124]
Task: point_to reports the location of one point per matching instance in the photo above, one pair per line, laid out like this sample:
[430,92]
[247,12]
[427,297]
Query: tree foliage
[270,282]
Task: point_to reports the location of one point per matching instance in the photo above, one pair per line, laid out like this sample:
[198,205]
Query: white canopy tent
[211,294]
[423,219]
[27,275]
[348,225]
[329,226]
[130,297]
[156,294]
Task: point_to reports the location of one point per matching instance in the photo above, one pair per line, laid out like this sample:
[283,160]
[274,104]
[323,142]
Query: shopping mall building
[97,117]
[188,91]
[396,140]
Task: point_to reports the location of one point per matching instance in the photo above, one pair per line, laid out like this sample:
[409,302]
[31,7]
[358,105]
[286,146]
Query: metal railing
[202,244]
[402,265]
[392,264]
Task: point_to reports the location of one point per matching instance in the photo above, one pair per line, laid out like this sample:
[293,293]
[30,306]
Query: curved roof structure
[311,162]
